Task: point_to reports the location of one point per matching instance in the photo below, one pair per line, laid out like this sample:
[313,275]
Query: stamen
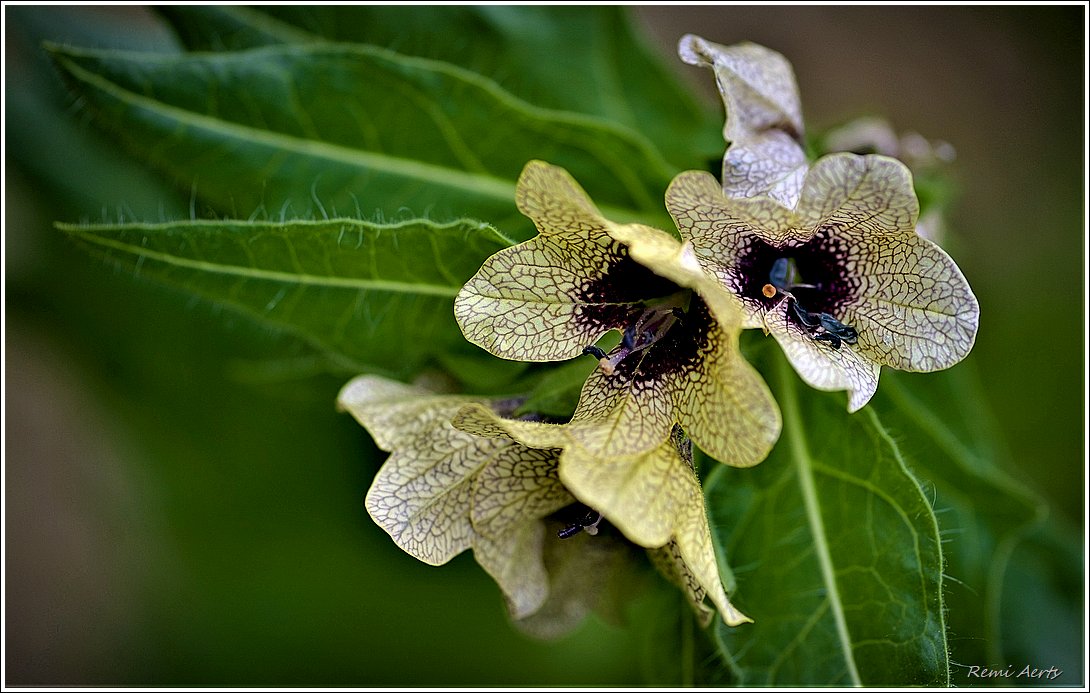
[587,522]
[650,327]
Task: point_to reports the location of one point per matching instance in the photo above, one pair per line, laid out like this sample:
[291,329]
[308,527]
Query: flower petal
[421,496]
[548,298]
[516,487]
[721,401]
[725,406]
[865,196]
[718,230]
[393,411]
[642,495]
[481,421]
[914,310]
[821,366]
[694,546]
[764,118]
[514,560]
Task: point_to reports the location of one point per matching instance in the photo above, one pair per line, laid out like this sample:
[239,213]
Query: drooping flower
[443,491]
[654,498]
[842,281]
[676,375]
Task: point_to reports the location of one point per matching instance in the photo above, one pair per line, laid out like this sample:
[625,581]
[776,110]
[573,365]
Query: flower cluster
[824,256]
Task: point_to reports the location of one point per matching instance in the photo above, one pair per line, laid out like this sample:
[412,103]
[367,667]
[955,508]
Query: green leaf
[323,129]
[368,296]
[983,513]
[835,551]
[585,59]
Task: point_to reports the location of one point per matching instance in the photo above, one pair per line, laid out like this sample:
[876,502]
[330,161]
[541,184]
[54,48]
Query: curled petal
[481,421]
[764,118]
[757,84]
[514,560]
[392,411]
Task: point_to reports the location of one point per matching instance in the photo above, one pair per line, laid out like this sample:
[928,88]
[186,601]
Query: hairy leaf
[369,296]
[584,59]
[835,551]
[320,130]
[983,514]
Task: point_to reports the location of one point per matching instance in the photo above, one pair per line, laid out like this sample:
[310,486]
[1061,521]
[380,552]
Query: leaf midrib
[800,454]
[483,184]
[288,278]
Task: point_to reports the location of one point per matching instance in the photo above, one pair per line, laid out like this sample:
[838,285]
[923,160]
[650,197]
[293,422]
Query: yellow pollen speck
[768,290]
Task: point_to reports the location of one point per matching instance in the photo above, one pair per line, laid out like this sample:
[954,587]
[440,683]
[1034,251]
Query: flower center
[650,327]
[813,279]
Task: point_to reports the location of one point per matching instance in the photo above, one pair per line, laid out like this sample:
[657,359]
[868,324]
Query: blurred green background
[178,513]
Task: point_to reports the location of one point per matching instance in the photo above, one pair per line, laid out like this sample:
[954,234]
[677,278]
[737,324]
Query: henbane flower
[443,491]
[825,257]
[677,373]
[552,297]
[843,281]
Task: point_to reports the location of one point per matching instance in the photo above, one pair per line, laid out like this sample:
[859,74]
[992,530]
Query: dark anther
[805,317]
[595,352]
[822,326]
[834,326]
[587,521]
[570,531]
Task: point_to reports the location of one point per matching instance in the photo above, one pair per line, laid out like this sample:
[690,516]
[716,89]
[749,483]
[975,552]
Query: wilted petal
[514,560]
[771,164]
[586,574]
[764,118]
[757,84]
